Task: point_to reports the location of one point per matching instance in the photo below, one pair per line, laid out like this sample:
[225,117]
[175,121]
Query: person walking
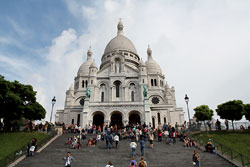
[196,159]
[116,139]
[142,163]
[109,164]
[132,162]
[142,143]
[133,146]
[68,160]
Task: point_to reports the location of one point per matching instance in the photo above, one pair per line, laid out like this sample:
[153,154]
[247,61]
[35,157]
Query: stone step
[174,155]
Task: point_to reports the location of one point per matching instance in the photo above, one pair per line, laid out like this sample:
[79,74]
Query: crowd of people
[136,134]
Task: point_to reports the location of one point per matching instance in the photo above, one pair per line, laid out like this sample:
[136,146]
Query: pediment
[131,70]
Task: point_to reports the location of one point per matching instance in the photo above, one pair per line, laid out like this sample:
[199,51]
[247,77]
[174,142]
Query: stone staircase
[163,155]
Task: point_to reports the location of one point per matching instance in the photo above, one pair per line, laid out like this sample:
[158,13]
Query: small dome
[84,68]
[120,42]
[93,64]
[152,65]
[141,63]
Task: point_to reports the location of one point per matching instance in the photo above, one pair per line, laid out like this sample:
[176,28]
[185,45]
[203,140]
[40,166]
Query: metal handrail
[225,150]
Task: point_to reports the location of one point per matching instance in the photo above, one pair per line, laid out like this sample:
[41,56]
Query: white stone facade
[117,90]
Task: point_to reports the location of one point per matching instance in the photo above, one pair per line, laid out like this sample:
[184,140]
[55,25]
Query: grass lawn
[10,142]
[237,141]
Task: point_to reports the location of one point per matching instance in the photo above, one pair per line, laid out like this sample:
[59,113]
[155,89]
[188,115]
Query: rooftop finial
[89,53]
[149,51]
[120,27]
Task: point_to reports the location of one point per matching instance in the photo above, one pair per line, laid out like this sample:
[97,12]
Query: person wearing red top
[159,136]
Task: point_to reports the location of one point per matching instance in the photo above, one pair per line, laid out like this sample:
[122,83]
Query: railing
[225,150]
[23,150]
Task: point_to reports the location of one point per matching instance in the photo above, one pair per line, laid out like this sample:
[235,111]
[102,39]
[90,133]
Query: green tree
[231,110]
[18,101]
[247,111]
[203,113]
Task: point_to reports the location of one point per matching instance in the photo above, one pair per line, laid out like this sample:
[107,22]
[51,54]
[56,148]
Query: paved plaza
[162,155]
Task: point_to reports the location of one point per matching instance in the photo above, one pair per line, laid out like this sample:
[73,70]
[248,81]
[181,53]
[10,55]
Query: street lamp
[187,100]
[53,103]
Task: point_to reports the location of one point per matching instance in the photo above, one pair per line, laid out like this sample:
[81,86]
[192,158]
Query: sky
[202,46]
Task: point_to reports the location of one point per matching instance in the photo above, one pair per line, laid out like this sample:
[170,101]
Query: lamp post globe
[186,98]
[53,103]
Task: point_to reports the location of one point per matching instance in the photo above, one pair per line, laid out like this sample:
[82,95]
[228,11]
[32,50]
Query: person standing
[116,139]
[142,143]
[68,160]
[151,139]
[226,123]
[159,135]
[196,159]
[133,146]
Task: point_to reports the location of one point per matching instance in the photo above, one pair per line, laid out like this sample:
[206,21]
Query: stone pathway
[163,155]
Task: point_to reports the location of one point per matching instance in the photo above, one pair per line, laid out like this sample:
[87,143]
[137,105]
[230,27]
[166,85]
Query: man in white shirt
[133,146]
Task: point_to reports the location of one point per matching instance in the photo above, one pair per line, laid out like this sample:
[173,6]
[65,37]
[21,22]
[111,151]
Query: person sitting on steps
[210,147]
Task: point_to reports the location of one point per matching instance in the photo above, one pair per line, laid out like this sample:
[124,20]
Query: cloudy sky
[203,47]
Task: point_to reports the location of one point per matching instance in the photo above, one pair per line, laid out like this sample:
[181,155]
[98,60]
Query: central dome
[120,42]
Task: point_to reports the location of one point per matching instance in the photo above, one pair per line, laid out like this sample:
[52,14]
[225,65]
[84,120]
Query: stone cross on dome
[120,27]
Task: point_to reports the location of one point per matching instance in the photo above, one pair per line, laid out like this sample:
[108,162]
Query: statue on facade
[88,92]
[117,67]
[145,92]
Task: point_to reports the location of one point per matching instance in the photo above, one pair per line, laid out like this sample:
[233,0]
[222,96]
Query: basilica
[123,90]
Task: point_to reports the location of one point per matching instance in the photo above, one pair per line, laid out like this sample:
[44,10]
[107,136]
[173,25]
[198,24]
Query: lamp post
[53,103]
[187,100]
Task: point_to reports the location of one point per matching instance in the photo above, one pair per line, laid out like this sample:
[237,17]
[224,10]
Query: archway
[98,119]
[134,118]
[116,119]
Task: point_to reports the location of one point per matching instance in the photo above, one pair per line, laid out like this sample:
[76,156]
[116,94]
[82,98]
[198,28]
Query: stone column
[147,111]
[85,113]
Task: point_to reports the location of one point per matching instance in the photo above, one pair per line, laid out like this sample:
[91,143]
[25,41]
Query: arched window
[153,121]
[152,82]
[117,88]
[132,96]
[83,84]
[159,118]
[142,80]
[102,97]
[155,82]
[86,83]
[91,81]
[165,120]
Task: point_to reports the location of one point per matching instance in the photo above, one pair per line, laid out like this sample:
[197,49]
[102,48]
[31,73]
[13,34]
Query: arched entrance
[134,118]
[116,119]
[98,119]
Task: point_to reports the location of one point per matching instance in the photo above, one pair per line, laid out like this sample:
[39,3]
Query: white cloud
[201,46]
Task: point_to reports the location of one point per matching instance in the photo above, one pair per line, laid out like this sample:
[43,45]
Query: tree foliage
[203,113]
[18,101]
[247,111]
[231,110]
